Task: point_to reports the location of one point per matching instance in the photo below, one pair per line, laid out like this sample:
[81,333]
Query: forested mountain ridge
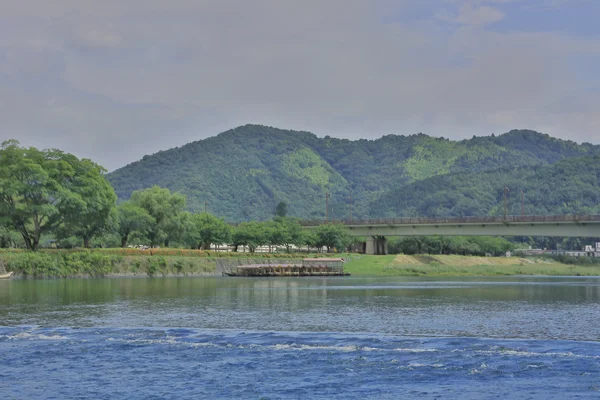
[571,186]
[244,172]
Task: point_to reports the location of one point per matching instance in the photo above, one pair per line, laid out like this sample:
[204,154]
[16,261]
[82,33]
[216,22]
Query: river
[318,338]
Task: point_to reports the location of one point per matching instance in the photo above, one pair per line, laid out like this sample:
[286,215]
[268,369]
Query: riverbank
[123,262]
[453,265]
[181,262]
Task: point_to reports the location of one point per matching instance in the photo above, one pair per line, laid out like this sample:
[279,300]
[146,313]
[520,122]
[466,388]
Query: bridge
[376,230]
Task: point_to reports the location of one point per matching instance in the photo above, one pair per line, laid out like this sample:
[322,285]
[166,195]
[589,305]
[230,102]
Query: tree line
[158,217]
[54,195]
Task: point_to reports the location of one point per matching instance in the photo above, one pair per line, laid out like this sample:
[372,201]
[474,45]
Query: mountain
[571,186]
[243,173]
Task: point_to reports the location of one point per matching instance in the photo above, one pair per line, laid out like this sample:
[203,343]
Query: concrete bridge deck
[375,230]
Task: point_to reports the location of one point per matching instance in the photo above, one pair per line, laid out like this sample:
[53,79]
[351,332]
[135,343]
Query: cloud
[122,79]
[480,15]
[475,12]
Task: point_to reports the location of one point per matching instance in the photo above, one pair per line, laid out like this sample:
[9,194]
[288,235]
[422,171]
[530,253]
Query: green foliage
[165,208]
[307,165]
[206,229]
[570,260]
[96,214]
[245,172]
[61,264]
[281,209]
[570,186]
[463,245]
[43,190]
[333,236]
[9,237]
[133,219]
[251,234]
[156,265]
[285,232]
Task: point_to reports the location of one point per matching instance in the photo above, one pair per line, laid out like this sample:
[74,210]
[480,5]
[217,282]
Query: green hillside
[571,186]
[243,173]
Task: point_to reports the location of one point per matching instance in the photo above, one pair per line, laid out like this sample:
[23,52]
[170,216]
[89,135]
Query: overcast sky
[113,80]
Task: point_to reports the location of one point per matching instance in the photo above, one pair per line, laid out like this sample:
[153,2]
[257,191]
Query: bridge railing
[458,220]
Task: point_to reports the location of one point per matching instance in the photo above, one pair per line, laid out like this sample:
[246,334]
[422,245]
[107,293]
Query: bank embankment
[181,262]
[453,265]
[119,262]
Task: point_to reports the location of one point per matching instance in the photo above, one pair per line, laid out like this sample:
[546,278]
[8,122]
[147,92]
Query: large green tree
[332,236]
[285,232]
[42,190]
[252,234]
[206,229]
[97,214]
[165,207]
[133,220]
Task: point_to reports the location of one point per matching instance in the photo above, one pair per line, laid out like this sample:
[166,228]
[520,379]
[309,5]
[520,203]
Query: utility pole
[522,203]
[350,208]
[205,206]
[506,190]
[327,207]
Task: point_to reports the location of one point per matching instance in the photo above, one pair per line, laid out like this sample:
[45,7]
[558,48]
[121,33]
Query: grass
[96,264]
[114,262]
[392,265]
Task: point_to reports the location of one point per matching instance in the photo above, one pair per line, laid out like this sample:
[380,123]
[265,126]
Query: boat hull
[6,276]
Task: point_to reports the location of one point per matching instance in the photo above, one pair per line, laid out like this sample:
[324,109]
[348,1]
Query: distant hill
[243,173]
[571,186]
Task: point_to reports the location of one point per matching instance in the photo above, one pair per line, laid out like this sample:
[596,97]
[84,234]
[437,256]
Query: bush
[570,260]
[60,264]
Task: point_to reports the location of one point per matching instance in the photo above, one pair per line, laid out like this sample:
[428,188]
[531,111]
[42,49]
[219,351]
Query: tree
[208,229]
[97,213]
[132,219]
[308,237]
[8,237]
[164,207]
[285,232]
[40,190]
[251,234]
[332,236]
[176,228]
[281,209]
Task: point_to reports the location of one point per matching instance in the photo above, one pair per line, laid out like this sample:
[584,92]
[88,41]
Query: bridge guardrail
[458,220]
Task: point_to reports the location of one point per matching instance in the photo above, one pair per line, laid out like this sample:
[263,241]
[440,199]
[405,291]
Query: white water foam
[34,336]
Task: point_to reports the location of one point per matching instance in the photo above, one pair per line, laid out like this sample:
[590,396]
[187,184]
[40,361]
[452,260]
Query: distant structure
[308,267]
[588,251]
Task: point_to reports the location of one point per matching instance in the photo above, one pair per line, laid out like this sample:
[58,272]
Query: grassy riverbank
[451,265]
[181,262]
[115,262]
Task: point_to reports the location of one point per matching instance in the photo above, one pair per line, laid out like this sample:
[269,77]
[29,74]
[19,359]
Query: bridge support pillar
[370,246]
[376,245]
[383,245]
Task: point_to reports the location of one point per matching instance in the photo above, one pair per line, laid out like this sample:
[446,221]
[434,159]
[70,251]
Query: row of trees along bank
[52,196]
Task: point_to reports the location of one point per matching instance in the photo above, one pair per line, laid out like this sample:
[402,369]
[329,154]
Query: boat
[7,275]
[308,267]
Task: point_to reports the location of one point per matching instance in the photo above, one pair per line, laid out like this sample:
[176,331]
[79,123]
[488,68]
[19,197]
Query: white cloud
[479,15]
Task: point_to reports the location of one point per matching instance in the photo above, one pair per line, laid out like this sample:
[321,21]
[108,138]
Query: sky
[114,80]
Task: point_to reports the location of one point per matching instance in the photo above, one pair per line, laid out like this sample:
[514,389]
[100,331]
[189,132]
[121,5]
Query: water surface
[300,338]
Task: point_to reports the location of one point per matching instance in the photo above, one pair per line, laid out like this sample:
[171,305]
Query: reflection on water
[547,308]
